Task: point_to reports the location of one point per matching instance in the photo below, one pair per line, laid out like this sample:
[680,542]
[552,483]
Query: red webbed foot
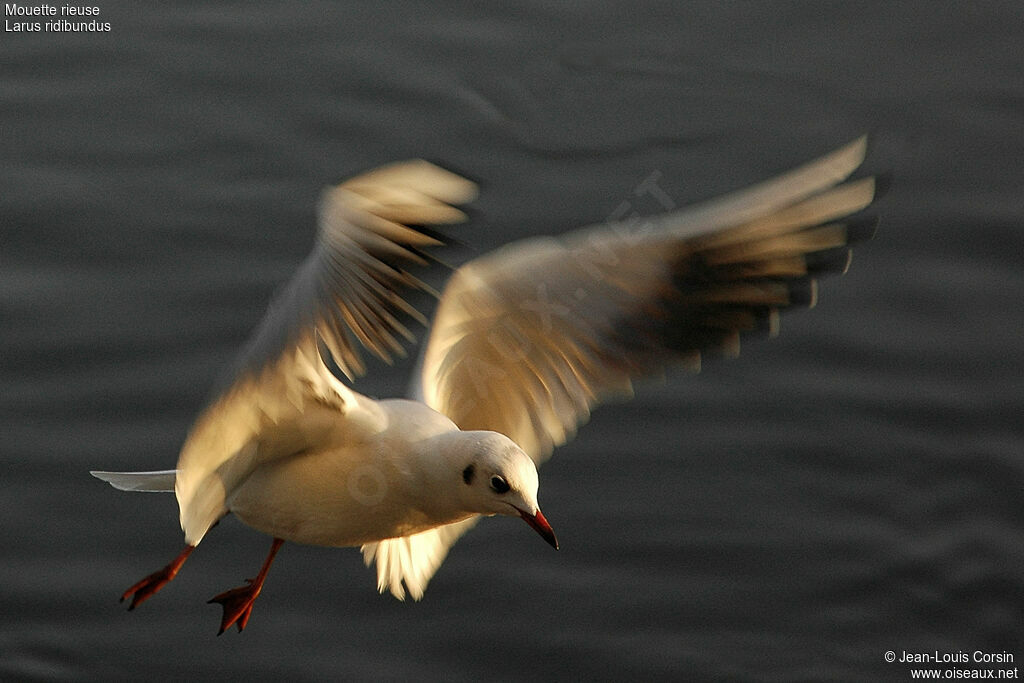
[149,586]
[238,602]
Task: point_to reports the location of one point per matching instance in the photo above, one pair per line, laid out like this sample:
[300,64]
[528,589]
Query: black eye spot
[467,474]
[499,484]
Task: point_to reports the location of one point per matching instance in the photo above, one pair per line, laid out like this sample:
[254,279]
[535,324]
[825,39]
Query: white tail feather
[412,560]
[162,481]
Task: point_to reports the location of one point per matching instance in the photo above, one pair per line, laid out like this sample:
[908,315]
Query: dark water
[852,487]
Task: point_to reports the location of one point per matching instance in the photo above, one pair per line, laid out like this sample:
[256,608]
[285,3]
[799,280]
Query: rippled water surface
[849,488]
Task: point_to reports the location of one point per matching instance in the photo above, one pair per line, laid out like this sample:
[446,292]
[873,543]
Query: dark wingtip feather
[861,229]
[883,181]
[835,260]
[767,321]
[803,292]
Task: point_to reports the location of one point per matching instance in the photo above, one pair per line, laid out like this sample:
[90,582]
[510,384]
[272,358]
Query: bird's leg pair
[237,602]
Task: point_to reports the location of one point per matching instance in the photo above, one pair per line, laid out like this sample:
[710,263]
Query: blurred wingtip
[425,176]
[835,260]
[883,182]
[803,292]
[861,229]
[859,146]
[467,178]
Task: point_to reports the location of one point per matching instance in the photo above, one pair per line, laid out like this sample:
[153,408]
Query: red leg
[237,602]
[149,586]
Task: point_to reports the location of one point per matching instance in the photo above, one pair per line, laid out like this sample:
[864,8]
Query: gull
[524,343]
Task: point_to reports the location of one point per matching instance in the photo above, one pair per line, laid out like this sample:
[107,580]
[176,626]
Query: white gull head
[493,476]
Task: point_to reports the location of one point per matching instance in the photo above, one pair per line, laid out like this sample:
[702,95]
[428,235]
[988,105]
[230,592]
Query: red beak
[541,526]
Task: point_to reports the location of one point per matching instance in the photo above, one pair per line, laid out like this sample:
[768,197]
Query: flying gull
[525,341]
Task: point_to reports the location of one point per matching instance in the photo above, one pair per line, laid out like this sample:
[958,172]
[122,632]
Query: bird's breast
[334,497]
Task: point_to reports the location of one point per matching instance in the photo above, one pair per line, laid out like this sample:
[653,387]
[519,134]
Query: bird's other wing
[353,287]
[351,291]
[413,560]
[529,338]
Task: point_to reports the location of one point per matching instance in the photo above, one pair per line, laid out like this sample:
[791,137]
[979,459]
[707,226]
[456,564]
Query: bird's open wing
[527,339]
[353,286]
[350,292]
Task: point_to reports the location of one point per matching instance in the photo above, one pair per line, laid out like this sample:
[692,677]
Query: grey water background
[851,487]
